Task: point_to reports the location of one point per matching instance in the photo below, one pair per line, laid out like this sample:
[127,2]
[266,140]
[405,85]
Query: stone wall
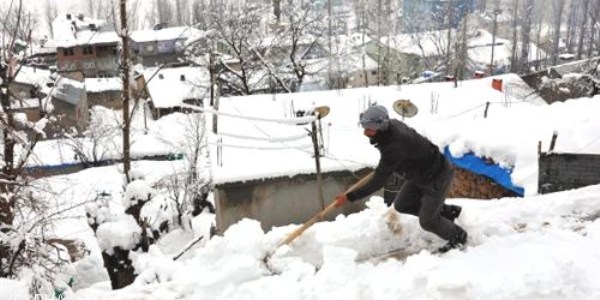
[563,171]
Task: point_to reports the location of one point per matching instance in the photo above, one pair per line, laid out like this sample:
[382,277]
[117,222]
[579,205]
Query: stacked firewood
[470,185]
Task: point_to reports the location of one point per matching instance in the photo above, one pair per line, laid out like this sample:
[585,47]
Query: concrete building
[85,47]
[161,45]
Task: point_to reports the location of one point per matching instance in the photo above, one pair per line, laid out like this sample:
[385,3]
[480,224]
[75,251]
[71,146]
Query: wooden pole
[125,93]
[315,142]
[319,216]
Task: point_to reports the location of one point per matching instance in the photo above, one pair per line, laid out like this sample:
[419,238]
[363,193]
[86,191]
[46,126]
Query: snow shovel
[319,216]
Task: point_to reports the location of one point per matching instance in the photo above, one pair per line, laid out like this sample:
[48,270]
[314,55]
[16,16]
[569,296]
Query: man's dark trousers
[425,200]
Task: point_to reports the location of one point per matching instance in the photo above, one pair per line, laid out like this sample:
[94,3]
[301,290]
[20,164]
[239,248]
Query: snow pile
[542,247]
[12,289]
[99,85]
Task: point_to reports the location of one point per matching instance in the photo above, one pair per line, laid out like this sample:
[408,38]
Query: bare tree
[514,56]
[557,9]
[238,30]
[525,35]
[23,212]
[594,28]
[181,12]
[96,142]
[572,24]
[21,21]
[582,27]
[163,11]
[199,15]
[50,14]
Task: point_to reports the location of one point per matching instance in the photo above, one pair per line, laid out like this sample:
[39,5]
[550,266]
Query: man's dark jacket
[403,151]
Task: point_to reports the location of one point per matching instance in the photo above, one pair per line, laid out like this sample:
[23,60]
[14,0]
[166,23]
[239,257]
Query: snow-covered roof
[426,43]
[432,43]
[480,49]
[98,85]
[26,103]
[171,86]
[69,90]
[353,40]
[33,76]
[575,66]
[164,34]
[344,63]
[81,30]
[458,108]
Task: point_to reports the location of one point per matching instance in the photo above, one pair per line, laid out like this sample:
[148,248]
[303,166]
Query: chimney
[182,77]
[160,76]
[80,17]
[68,16]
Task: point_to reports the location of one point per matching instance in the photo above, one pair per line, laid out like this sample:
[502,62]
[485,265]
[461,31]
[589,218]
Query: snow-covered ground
[542,247]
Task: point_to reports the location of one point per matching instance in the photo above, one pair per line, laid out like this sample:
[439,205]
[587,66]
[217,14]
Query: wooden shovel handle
[320,215]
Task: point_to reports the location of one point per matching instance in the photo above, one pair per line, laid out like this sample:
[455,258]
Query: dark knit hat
[375,117]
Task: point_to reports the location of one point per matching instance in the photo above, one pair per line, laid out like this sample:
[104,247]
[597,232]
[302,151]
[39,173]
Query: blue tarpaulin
[479,166]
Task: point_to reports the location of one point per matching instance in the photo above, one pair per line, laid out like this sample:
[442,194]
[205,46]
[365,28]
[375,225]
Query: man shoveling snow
[427,176]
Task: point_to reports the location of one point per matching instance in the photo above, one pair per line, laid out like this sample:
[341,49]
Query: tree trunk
[525,35]
[277,10]
[582,28]
[6,188]
[557,6]
[514,58]
[119,267]
[125,92]
[449,37]
[573,10]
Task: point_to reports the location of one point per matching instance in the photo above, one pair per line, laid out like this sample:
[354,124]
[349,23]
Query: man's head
[374,119]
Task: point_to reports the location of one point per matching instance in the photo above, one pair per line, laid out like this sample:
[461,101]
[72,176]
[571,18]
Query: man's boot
[457,241]
[450,212]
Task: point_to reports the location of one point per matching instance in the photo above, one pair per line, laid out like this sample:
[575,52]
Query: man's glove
[340,200]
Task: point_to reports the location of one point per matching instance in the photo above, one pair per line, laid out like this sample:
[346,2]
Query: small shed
[169,89]
[70,104]
[104,92]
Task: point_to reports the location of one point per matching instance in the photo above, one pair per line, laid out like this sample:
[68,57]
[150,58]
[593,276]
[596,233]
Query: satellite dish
[321,111]
[405,108]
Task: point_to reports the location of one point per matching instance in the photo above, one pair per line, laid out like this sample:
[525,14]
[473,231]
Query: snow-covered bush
[137,192]
[124,233]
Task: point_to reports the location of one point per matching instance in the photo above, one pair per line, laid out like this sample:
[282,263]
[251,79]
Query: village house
[104,92]
[412,55]
[161,44]
[168,90]
[85,47]
[70,105]
[29,89]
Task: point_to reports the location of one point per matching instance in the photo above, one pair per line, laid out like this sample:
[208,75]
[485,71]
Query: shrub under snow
[123,233]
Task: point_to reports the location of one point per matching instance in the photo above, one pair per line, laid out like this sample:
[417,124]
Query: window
[89,65]
[68,51]
[88,50]
[149,48]
[373,72]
